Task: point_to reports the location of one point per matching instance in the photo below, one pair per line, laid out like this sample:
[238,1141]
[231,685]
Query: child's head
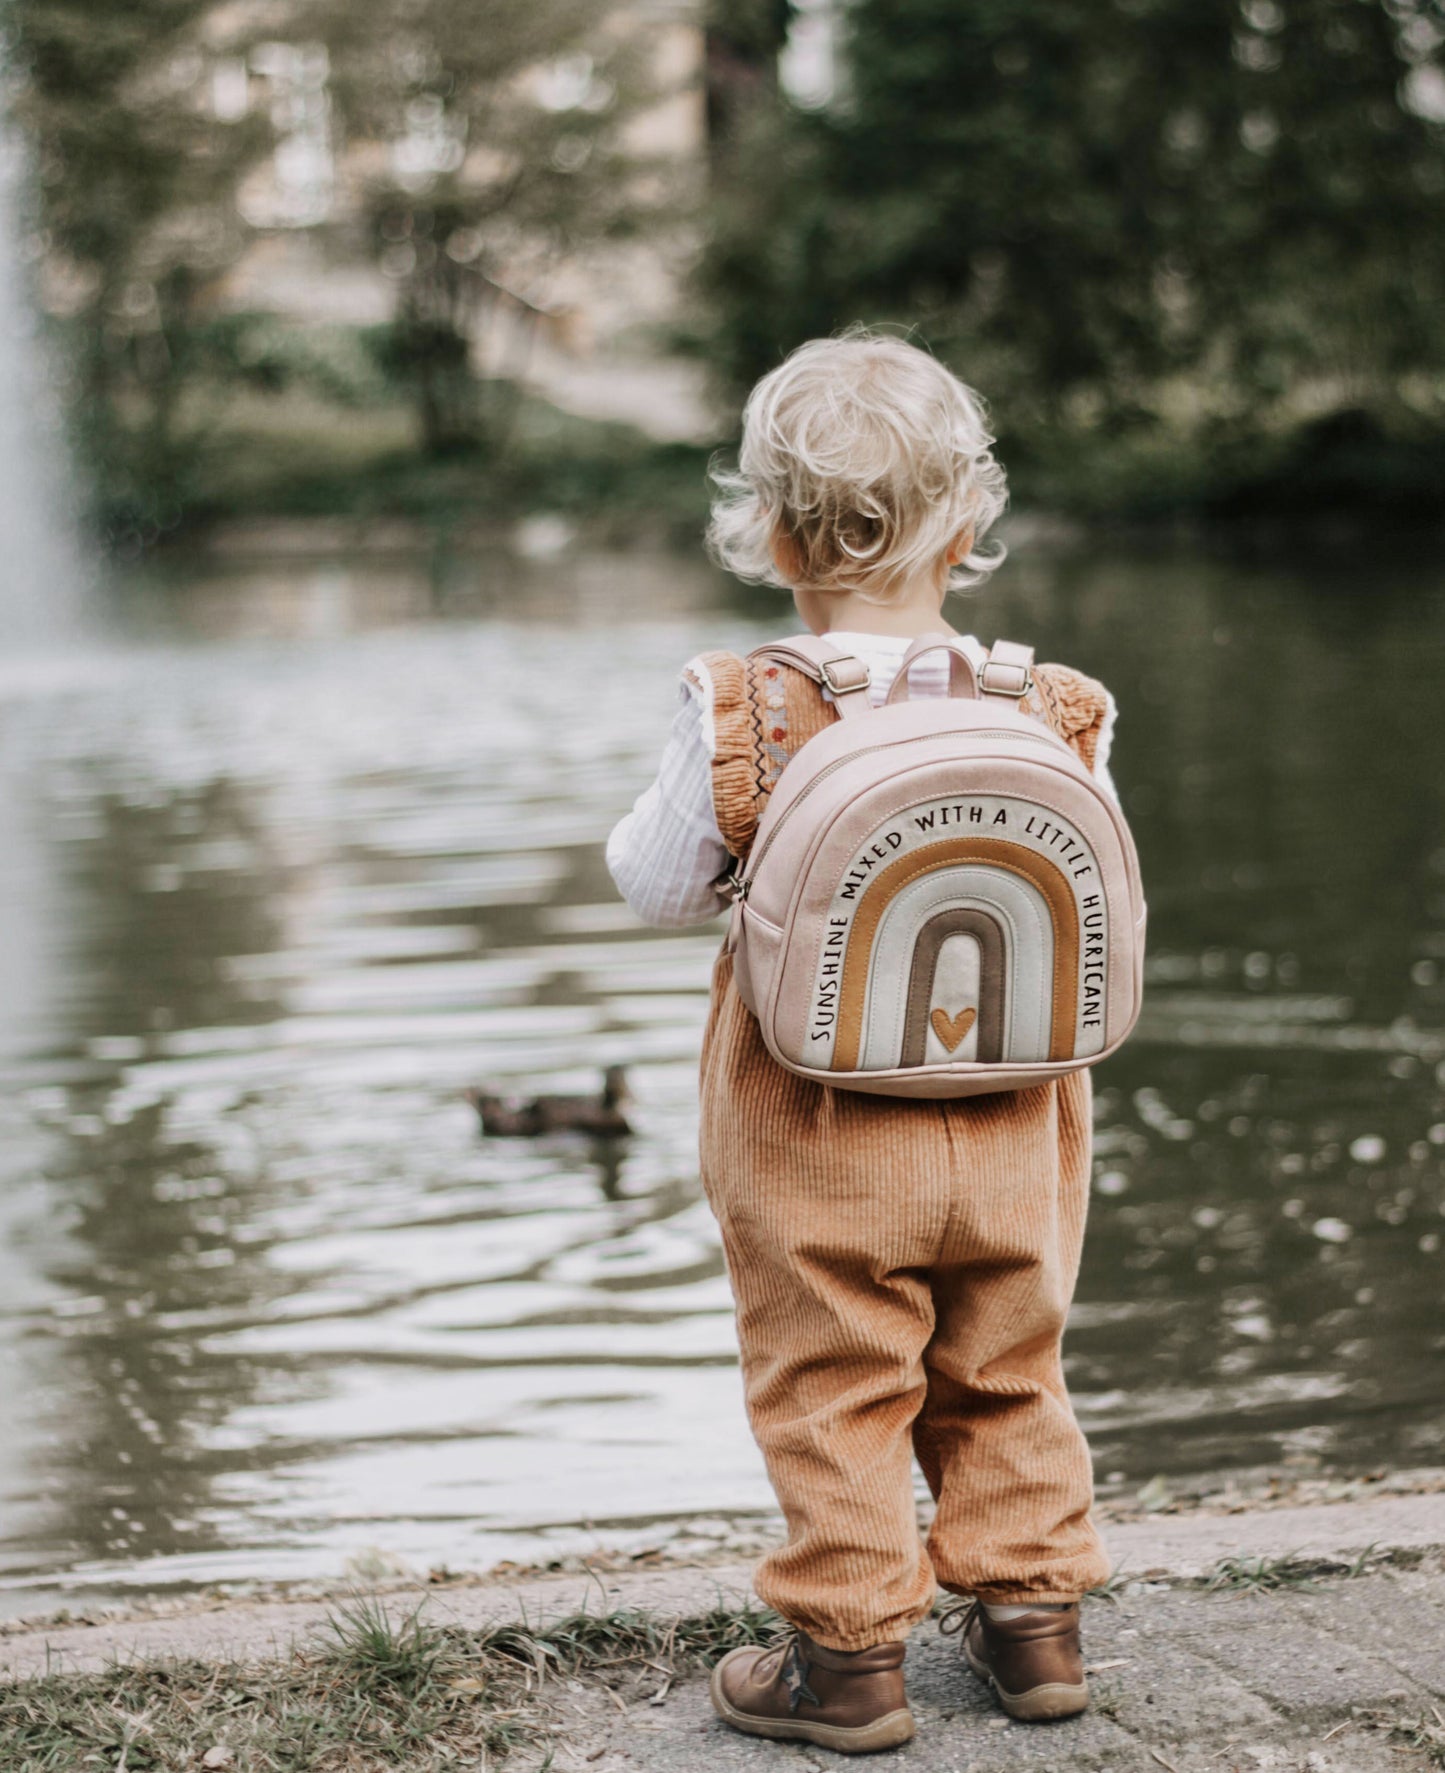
[865,469]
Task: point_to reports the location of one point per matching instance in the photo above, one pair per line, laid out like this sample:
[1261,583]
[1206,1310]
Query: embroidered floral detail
[772,741]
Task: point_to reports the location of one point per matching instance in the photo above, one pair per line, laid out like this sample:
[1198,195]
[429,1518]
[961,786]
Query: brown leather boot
[1032,1662]
[850,1701]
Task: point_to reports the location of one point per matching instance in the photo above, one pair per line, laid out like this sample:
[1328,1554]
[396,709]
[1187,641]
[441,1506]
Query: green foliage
[343,364]
[289,453]
[1151,220]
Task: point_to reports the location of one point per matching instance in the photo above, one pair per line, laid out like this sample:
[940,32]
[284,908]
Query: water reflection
[320,845]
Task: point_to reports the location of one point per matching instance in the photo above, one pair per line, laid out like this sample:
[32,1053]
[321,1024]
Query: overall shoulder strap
[1073,705]
[765,708]
[845,677]
[734,778]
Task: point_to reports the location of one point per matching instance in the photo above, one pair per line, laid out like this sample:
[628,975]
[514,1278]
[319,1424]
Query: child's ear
[962,547]
[786,556]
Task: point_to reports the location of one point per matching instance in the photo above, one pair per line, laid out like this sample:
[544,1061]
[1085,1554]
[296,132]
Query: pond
[302,847]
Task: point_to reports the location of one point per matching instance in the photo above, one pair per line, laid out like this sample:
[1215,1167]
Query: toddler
[902,1267]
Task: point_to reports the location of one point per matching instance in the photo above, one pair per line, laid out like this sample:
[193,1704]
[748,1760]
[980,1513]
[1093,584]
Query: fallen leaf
[1103,1667]
[1155,1494]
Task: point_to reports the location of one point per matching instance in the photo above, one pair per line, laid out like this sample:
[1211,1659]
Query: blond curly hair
[868,462]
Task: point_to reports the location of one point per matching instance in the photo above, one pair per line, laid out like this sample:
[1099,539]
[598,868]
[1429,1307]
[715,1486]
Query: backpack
[940,900]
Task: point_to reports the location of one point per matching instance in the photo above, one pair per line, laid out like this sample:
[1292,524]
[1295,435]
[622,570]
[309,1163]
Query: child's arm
[667,855]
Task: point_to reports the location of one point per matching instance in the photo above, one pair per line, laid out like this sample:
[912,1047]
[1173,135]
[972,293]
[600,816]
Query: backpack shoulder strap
[765,708]
[1073,705]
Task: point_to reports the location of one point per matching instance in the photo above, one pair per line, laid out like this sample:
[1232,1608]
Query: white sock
[1008,1612]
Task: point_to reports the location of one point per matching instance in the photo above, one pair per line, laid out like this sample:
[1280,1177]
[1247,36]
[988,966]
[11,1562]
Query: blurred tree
[1114,214]
[467,149]
[743,39]
[136,176]
[496,141]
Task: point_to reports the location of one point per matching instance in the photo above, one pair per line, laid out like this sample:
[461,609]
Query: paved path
[1291,1682]
[1174,1545]
[1332,1680]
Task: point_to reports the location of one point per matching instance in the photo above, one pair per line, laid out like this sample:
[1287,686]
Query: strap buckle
[845,677]
[996,678]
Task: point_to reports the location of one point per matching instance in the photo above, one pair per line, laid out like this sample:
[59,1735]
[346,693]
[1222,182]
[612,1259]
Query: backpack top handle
[962,672]
[1007,670]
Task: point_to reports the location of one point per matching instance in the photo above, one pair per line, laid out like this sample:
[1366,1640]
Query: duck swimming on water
[528,1117]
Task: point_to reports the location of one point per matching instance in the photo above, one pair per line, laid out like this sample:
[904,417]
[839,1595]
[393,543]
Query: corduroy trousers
[902,1271]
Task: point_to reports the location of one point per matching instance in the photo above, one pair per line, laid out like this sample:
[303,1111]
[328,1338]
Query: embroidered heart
[951,1030]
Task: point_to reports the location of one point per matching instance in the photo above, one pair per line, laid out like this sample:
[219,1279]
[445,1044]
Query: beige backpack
[941,900]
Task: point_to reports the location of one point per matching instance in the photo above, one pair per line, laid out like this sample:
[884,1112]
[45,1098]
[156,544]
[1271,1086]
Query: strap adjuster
[995,678]
[845,677]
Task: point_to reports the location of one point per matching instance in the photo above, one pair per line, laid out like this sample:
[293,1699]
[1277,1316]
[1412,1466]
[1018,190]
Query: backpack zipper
[743,880]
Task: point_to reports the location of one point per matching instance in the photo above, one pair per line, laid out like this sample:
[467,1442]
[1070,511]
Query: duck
[529,1117]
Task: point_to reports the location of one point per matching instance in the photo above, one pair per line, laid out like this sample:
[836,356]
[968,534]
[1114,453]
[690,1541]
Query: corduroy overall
[902,1271]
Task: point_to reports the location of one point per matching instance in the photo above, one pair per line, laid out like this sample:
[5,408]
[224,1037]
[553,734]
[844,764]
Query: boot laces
[795,1677]
[957,1616]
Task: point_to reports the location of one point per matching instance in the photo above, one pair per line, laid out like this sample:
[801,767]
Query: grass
[1426,1734]
[1265,1575]
[1261,1575]
[374,1691]
[1111,1589]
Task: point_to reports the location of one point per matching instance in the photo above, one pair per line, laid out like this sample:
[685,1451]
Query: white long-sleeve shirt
[667,855]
